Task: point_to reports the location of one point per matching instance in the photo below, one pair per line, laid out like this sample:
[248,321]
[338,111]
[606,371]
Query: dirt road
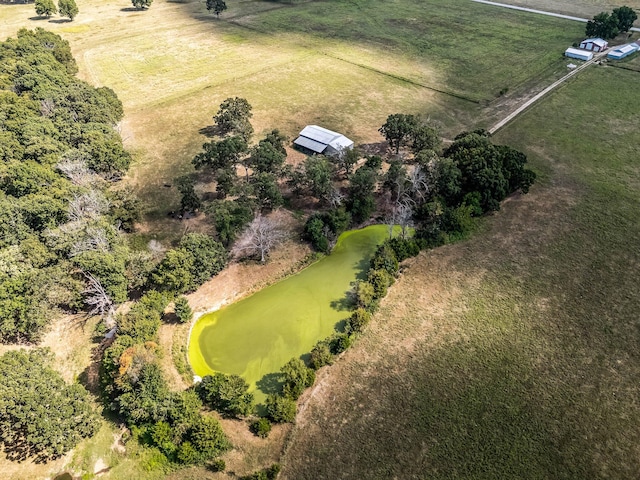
[541,12]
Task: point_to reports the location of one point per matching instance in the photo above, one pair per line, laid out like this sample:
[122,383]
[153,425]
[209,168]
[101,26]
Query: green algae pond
[256,336]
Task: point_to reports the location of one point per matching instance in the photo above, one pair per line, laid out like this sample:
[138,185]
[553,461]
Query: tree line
[610,25]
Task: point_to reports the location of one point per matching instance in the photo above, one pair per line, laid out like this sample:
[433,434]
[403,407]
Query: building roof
[623,50]
[598,41]
[317,139]
[577,51]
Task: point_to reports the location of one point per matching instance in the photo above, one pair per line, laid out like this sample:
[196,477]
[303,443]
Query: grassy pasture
[576,8]
[514,354]
[256,336]
[346,65]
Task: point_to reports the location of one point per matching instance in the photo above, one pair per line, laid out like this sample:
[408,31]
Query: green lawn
[256,336]
[513,354]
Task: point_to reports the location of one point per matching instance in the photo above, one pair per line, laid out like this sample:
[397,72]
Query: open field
[344,65]
[578,8]
[514,354]
[256,336]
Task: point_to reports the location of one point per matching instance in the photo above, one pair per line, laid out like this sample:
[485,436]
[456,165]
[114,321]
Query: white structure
[594,44]
[623,51]
[321,140]
[579,54]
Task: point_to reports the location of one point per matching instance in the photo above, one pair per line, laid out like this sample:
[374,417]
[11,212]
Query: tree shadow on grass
[38,18]
[210,131]
[132,9]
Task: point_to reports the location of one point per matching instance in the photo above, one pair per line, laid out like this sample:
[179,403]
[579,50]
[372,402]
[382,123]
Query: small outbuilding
[579,54]
[594,44]
[623,51]
[322,140]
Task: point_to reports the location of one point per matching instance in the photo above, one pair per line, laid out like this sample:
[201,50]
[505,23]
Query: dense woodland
[65,216]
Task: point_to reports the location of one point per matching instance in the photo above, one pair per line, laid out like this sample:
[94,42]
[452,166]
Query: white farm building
[321,140]
[579,54]
[623,51]
[594,44]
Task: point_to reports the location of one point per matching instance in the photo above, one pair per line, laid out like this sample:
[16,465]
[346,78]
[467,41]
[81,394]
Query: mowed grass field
[514,354]
[345,65]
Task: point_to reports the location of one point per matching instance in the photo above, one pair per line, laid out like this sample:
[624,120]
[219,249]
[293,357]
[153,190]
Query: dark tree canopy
[603,25]
[226,394]
[216,6]
[58,216]
[141,4]
[625,17]
[41,417]
[489,171]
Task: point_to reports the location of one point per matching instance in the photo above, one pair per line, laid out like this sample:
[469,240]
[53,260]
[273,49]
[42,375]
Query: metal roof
[570,52]
[317,139]
[310,144]
[319,134]
[598,41]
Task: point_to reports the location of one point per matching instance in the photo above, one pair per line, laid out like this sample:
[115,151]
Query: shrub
[380,281]
[358,320]
[385,259]
[321,355]
[404,248]
[218,465]
[226,394]
[270,473]
[183,310]
[280,409]
[339,342]
[296,377]
[208,438]
[364,295]
[260,427]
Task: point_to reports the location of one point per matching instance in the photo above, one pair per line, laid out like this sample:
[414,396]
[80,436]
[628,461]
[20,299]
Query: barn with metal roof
[322,140]
[579,54]
[623,51]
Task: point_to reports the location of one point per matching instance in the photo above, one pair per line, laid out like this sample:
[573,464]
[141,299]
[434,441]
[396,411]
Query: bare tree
[98,298]
[259,238]
[87,206]
[418,183]
[95,240]
[335,197]
[74,166]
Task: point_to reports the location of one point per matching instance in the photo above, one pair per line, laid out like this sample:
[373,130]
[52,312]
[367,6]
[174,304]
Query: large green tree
[603,25]
[45,8]
[234,115]
[398,130]
[625,17]
[40,415]
[68,8]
